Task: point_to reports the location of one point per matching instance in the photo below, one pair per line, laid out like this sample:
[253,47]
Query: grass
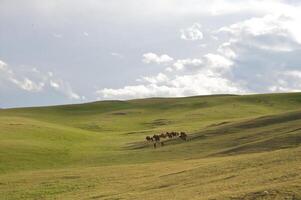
[240,147]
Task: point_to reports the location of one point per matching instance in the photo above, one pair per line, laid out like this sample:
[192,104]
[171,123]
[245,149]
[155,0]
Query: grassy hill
[240,147]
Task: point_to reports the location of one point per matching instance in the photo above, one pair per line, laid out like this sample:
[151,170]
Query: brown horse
[149,139]
[156,138]
[183,136]
[174,134]
[169,135]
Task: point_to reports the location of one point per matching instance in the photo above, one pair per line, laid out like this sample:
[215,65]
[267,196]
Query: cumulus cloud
[259,54]
[159,79]
[192,33]
[33,80]
[289,80]
[206,78]
[210,60]
[204,82]
[27,84]
[217,61]
[187,63]
[263,52]
[54,84]
[24,82]
[271,32]
[236,47]
[154,58]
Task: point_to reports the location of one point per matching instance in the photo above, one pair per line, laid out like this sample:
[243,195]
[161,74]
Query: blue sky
[72,51]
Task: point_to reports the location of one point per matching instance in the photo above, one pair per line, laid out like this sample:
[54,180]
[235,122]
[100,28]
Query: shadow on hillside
[266,133]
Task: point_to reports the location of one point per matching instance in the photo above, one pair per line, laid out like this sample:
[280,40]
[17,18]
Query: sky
[74,51]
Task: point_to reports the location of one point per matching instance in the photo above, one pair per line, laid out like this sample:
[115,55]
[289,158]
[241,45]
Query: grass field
[240,147]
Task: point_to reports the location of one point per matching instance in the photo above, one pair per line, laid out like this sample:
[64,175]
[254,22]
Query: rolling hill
[239,147]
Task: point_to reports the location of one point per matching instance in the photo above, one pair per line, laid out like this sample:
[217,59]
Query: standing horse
[183,136]
[156,138]
[149,139]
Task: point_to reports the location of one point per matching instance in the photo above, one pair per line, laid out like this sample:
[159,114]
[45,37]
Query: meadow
[239,147]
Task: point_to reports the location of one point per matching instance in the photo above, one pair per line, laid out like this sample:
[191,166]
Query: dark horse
[156,138]
[183,136]
[149,139]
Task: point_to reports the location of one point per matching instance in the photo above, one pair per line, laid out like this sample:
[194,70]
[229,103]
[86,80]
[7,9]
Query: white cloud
[293,73]
[169,69]
[27,84]
[154,58]
[207,78]
[225,49]
[36,81]
[192,33]
[187,63]
[23,82]
[254,55]
[262,52]
[287,81]
[204,82]
[54,84]
[159,79]
[271,32]
[257,40]
[217,61]
[210,61]
[2,65]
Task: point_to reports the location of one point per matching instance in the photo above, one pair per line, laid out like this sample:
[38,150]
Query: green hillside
[239,147]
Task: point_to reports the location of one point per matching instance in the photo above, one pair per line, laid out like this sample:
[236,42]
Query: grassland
[240,147]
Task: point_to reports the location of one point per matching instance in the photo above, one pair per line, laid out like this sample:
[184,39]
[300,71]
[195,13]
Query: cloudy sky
[73,51]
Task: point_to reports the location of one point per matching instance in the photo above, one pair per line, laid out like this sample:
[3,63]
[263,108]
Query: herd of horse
[156,138]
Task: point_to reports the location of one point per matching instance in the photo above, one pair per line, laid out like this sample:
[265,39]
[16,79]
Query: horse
[183,136]
[149,139]
[169,135]
[174,134]
[156,138]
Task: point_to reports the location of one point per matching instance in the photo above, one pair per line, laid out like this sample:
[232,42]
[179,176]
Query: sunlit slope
[156,113]
[262,134]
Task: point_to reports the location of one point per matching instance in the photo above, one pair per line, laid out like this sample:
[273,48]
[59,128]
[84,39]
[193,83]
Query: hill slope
[240,147]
